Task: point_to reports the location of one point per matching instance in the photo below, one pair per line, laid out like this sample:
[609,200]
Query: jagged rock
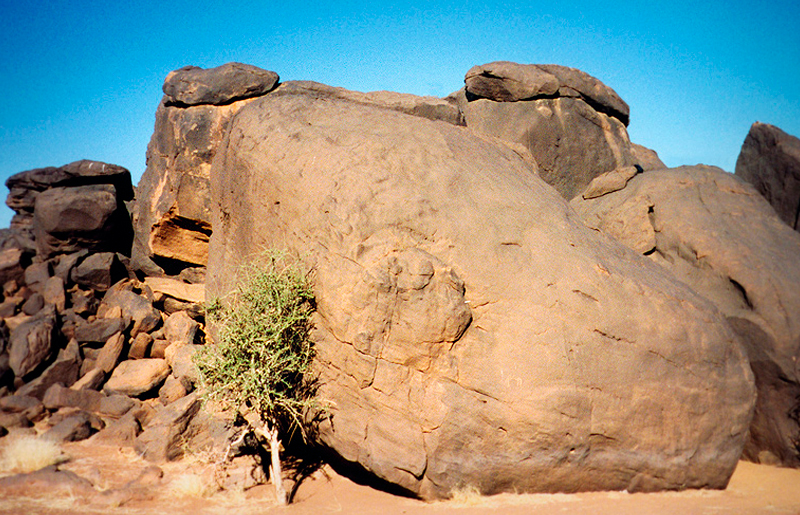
[182,363]
[145,317]
[187,293]
[99,330]
[575,134]
[8,308]
[91,380]
[224,84]
[64,370]
[172,390]
[66,262]
[12,420]
[36,274]
[31,343]
[194,275]
[718,235]
[59,396]
[67,219]
[140,347]
[610,181]
[111,353]
[770,161]
[30,406]
[137,377]
[33,305]
[162,441]
[180,328]
[77,426]
[158,349]
[99,271]
[470,330]
[646,158]
[53,293]
[12,265]
[84,302]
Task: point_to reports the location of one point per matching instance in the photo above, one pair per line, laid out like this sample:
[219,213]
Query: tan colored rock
[111,353]
[610,181]
[180,328]
[195,293]
[717,234]
[646,158]
[470,330]
[136,377]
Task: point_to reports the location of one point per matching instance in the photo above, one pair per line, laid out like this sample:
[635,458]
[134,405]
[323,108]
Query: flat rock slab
[136,377]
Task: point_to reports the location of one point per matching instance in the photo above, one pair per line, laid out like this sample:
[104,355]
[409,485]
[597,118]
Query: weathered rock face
[172,214]
[572,123]
[715,233]
[470,330]
[770,161]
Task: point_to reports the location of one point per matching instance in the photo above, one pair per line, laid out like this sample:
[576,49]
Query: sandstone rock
[140,347]
[770,161]
[182,363]
[575,134]
[470,330]
[646,158]
[36,274]
[716,234]
[224,84]
[179,328]
[29,406]
[145,317]
[425,107]
[100,330]
[31,343]
[194,275]
[111,353]
[172,390]
[53,293]
[162,440]
[137,377]
[91,380]
[64,370]
[99,271]
[158,348]
[49,479]
[12,265]
[67,219]
[194,293]
[73,428]
[34,303]
[116,405]
[59,396]
[8,308]
[610,181]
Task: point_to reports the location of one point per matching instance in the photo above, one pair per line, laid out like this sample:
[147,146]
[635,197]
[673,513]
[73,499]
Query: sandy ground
[754,489]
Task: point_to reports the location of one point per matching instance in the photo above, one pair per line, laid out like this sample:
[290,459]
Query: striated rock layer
[718,235]
[471,331]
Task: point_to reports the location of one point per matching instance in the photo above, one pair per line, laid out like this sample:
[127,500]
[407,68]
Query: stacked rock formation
[83,343]
[172,216]
[770,161]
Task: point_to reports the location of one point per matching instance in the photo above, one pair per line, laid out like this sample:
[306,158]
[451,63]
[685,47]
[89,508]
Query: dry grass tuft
[466,496]
[29,453]
[192,485]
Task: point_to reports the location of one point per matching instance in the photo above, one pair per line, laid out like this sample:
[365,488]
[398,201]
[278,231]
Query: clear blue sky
[82,79]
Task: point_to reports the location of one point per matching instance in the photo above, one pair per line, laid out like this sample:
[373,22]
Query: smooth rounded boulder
[471,332]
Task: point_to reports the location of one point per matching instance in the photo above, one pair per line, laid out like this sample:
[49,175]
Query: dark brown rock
[574,135]
[457,293]
[53,293]
[31,343]
[162,440]
[12,265]
[36,274]
[140,347]
[717,234]
[111,353]
[33,305]
[99,271]
[224,84]
[30,406]
[770,161]
[64,370]
[145,317]
[180,328]
[100,330]
[73,428]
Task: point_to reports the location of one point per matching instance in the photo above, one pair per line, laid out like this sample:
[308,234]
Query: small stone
[110,353]
[100,330]
[91,380]
[172,390]
[34,303]
[180,328]
[158,350]
[140,348]
[53,293]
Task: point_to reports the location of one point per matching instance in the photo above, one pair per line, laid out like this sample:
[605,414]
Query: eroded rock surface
[770,161]
[470,330]
[718,235]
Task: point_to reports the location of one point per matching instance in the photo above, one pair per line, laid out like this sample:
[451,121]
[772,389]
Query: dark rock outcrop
[770,161]
[224,84]
[718,235]
[572,124]
[470,330]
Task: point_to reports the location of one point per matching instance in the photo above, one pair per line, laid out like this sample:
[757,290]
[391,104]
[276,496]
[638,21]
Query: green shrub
[260,364]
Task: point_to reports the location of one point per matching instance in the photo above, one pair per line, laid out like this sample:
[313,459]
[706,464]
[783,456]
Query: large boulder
[770,161]
[572,123]
[717,234]
[470,330]
[224,84]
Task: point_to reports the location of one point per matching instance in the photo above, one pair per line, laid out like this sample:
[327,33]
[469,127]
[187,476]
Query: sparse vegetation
[259,366]
[191,485]
[30,453]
